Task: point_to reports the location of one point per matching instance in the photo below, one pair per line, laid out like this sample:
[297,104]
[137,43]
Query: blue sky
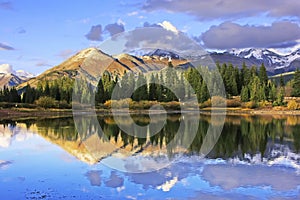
[37,35]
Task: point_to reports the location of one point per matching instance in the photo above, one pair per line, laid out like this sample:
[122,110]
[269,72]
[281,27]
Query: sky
[37,35]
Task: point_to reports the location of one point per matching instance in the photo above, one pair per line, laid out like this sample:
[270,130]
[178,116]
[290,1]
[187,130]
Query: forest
[250,84]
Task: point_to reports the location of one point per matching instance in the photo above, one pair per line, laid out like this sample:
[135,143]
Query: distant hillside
[92,63]
[285,76]
[11,80]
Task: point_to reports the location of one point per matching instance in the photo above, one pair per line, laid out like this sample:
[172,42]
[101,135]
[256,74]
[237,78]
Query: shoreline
[11,114]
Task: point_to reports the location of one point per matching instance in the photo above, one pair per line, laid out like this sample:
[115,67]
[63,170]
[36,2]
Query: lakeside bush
[46,102]
[293,105]
[250,105]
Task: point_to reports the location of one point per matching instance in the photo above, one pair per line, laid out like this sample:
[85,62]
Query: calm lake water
[255,157]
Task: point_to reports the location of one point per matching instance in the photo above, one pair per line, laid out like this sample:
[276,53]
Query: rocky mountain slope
[10,80]
[92,62]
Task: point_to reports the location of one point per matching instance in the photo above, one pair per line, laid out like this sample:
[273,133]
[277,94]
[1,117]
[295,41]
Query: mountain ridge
[92,62]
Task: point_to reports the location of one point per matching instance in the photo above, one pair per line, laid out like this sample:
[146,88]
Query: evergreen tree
[159,87]
[272,92]
[152,89]
[245,75]
[296,84]
[280,97]
[29,95]
[100,96]
[263,74]
[255,89]
[245,94]
[203,95]
[180,87]
[253,71]
[108,84]
[46,89]
[170,83]
[141,91]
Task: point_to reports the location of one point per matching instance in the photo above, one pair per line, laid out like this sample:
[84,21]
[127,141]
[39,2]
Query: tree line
[251,84]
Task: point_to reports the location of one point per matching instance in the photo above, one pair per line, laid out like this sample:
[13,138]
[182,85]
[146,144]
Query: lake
[253,157]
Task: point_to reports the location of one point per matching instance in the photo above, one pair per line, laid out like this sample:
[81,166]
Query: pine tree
[181,87]
[100,96]
[255,89]
[272,92]
[280,97]
[245,94]
[13,96]
[141,91]
[203,95]
[46,91]
[296,84]
[245,75]
[263,74]
[159,87]
[152,89]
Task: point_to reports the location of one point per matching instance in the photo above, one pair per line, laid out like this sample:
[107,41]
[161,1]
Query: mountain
[92,62]
[10,77]
[23,74]
[274,62]
[10,80]
[163,54]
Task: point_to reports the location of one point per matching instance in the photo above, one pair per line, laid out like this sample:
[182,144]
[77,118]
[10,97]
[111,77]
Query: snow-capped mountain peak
[22,73]
[269,58]
[10,78]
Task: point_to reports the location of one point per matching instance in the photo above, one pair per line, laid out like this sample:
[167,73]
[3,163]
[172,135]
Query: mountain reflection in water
[241,137]
[256,157]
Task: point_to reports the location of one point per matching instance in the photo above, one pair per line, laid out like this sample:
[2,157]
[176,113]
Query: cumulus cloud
[114,28]
[204,9]
[5,47]
[168,26]
[95,34]
[153,36]
[231,35]
[7,69]
[7,5]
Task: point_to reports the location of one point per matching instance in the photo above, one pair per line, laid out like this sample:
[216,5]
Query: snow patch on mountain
[268,57]
[24,74]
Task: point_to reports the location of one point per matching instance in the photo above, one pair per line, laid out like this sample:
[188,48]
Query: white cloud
[168,26]
[168,185]
[133,13]
[120,21]
[231,35]
[216,9]
[7,69]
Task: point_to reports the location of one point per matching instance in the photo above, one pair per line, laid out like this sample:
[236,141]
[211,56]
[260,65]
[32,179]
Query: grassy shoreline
[21,113]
